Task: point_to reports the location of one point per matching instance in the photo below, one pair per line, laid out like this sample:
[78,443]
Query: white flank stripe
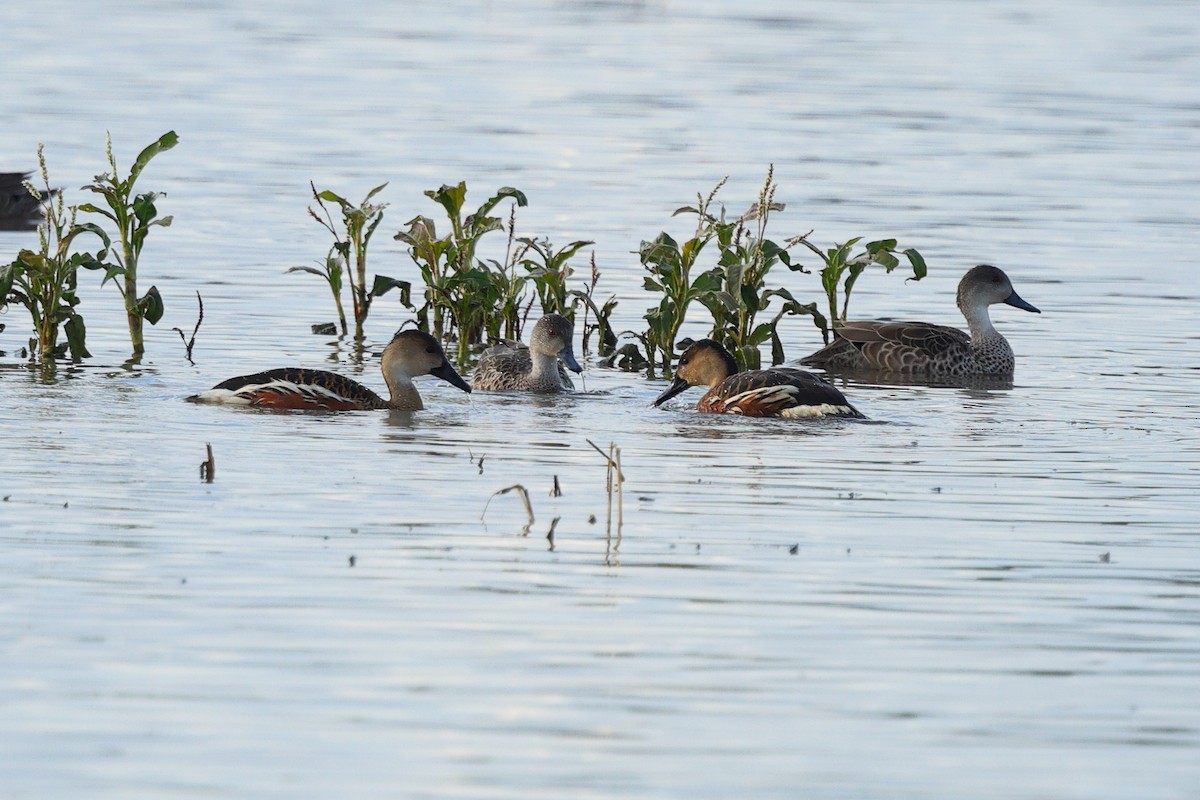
[767,394]
[222,396]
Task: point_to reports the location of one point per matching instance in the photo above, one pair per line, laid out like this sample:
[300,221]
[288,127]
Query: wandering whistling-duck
[410,353]
[775,392]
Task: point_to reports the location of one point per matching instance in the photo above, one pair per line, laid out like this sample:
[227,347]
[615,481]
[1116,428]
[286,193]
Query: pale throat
[979,322]
[404,394]
[545,366]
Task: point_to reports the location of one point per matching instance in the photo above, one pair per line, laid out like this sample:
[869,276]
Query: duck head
[413,352]
[552,337]
[705,363]
[986,285]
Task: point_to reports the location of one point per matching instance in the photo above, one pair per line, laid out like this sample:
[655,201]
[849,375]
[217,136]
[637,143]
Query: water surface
[979,592]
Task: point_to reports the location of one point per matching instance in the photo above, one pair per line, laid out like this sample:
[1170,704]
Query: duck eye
[682,361]
[431,349]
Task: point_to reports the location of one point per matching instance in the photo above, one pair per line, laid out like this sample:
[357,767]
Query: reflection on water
[987,590]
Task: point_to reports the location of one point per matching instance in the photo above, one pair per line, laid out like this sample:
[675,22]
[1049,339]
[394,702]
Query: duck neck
[404,394]
[979,323]
[545,368]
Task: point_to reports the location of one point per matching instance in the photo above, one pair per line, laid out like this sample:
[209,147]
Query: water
[978,593]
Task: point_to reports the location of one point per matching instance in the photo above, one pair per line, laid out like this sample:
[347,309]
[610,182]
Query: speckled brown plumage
[508,368]
[920,348]
[540,367]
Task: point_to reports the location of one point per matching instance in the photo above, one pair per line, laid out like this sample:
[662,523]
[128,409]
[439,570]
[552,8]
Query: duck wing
[296,388]
[778,392]
[905,346]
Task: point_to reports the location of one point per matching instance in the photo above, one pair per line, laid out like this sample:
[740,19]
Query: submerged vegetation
[725,266]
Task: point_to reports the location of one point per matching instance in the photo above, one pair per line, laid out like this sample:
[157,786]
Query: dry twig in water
[190,343]
[208,467]
[524,499]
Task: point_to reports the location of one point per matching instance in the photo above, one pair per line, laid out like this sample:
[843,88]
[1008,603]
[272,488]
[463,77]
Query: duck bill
[1015,300]
[568,357]
[677,386]
[447,373]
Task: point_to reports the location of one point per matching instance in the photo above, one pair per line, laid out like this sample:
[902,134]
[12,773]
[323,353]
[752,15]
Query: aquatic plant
[134,216]
[505,288]
[45,281]
[843,270]
[603,314]
[549,269]
[745,258]
[670,265]
[735,290]
[331,271]
[349,249]
[463,295]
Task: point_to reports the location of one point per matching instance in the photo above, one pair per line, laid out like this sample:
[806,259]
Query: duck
[19,209]
[408,354]
[775,392]
[920,348]
[512,366]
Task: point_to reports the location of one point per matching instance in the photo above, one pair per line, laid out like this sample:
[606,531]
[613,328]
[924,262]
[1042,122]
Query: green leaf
[733,278]
[111,271]
[888,261]
[143,207]
[93,228]
[164,142]
[88,261]
[93,209]
[384,284]
[727,301]
[777,356]
[311,270]
[150,306]
[691,250]
[374,192]
[76,335]
[760,334]
[333,197]
[918,263]
[450,198]
[7,275]
[501,193]
[707,282]
[750,300]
